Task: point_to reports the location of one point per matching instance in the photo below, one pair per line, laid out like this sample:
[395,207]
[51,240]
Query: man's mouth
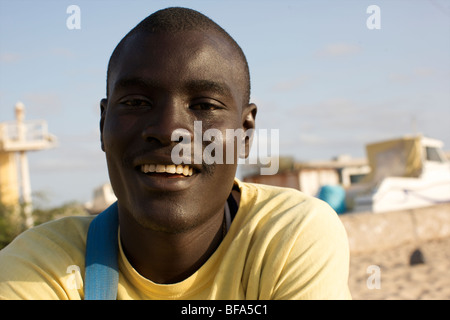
[172,169]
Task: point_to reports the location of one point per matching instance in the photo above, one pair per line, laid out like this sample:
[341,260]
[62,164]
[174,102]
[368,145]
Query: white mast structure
[19,137]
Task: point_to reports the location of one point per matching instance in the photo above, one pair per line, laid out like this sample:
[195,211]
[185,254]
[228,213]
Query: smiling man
[186,230]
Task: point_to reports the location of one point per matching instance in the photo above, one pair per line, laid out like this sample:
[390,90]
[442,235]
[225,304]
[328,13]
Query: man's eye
[136,103]
[204,106]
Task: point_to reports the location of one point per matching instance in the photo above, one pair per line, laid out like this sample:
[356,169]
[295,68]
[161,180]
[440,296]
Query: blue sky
[319,75]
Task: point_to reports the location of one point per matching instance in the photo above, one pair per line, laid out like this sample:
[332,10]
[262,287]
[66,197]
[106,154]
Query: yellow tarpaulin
[395,158]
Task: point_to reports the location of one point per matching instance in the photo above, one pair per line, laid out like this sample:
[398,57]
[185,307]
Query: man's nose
[166,118]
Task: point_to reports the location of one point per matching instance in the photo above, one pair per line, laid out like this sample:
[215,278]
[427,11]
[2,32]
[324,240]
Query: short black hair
[176,19]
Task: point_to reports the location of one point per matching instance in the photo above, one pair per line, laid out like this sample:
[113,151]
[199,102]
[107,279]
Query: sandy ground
[388,274]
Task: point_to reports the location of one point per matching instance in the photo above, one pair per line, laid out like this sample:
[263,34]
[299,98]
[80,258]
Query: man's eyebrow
[191,86]
[135,82]
[208,85]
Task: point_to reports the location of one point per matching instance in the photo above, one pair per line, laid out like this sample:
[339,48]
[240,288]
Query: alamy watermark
[73,22]
[374,20]
[374,279]
[235,141]
[74,280]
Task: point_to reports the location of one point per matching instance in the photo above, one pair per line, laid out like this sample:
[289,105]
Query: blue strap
[102,270]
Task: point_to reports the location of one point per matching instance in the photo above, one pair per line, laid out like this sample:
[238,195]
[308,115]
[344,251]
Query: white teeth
[171,168]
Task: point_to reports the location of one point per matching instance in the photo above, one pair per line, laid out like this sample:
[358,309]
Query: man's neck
[169,258]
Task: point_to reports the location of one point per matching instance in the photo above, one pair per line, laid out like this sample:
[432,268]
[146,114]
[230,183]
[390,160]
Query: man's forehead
[191,39]
[175,54]
[201,85]
[213,53]
[203,51]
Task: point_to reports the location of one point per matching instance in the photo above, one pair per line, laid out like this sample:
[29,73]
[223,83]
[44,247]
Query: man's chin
[163,214]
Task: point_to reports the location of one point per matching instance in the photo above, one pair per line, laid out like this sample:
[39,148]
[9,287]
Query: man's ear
[103,105]
[248,124]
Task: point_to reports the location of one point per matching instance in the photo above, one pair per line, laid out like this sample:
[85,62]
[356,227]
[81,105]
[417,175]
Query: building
[16,139]
[102,198]
[309,177]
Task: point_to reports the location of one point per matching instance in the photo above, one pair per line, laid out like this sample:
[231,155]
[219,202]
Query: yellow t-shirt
[281,244]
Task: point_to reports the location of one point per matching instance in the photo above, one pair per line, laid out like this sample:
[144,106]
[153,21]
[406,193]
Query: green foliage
[12,218]
[68,209]
[10,224]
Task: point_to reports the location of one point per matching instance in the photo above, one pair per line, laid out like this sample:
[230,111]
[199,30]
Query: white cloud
[42,104]
[310,138]
[9,57]
[62,52]
[290,85]
[327,108]
[338,50]
[424,72]
[414,74]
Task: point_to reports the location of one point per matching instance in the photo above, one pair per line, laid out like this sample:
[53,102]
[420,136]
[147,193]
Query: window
[433,154]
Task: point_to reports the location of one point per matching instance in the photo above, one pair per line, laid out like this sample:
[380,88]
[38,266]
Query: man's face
[160,83]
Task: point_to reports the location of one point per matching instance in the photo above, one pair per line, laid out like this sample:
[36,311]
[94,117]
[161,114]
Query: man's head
[173,20]
[174,69]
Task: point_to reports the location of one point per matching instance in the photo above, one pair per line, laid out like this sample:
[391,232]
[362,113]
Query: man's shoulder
[271,190]
[278,208]
[281,198]
[63,229]
[36,264]
[299,239]
[50,241]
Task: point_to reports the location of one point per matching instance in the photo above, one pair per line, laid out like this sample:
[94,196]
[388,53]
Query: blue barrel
[334,195]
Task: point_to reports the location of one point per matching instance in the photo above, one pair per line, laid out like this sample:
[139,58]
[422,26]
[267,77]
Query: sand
[388,275]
